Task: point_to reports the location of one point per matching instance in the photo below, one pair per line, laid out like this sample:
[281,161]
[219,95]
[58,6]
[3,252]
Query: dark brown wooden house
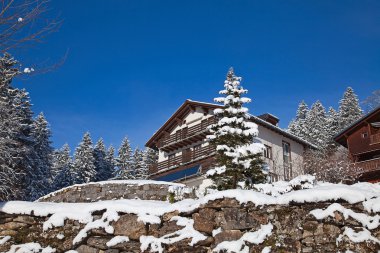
[362,138]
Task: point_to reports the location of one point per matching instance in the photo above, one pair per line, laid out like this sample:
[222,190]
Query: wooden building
[185,155]
[362,138]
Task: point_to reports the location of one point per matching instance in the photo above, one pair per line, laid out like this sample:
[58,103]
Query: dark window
[268,152]
[286,152]
[171,156]
[287,160]
[364,135]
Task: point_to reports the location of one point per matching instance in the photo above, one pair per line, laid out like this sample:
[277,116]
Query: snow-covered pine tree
[17,156]
[316,125]
[124,160]
[349,108]
[62,165]
[41,178]
[372,101]
[111,162]
[238,156]
[84,161]
[101,164]
[150,157]
[12,150]
[332,122]
[297,126]
[139,166]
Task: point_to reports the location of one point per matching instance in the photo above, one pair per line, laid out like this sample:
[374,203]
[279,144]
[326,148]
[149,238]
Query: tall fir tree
[349,108]
[316,125]
[111,162]
[238,156]
[103,170]
[372,101]
[62,168]
[124,160]
[84,161]
[18,158]
[41,178]
[11,175]
[150,157]
[297,126]
[332,122]
[139,166]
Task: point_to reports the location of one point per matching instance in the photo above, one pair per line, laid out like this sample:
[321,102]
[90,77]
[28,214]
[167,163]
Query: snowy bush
[281,187]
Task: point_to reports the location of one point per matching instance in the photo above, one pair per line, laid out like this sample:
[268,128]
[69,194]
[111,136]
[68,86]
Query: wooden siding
[185,136]
[186,157]
[374,139]
[369,165]
[359,144]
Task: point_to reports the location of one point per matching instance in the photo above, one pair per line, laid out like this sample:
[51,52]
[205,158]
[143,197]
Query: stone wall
[294,229]
[118,189]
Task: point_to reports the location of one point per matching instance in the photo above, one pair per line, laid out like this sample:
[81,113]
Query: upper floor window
[287,160]
[286,152]
[171,156]
[364,135]
[268,152]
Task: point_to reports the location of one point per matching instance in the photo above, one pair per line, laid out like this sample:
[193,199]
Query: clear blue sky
[132,63]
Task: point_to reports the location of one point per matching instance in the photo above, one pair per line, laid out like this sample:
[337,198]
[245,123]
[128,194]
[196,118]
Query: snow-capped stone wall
[327,218]
[118,189]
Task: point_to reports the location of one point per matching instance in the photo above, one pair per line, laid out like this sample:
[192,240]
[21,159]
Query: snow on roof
[124,182]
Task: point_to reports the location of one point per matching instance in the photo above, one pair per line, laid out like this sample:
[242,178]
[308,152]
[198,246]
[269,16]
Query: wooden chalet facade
[362,138]
[185,155]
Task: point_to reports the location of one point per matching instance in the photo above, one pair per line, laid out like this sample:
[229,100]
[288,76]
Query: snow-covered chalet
[185,154]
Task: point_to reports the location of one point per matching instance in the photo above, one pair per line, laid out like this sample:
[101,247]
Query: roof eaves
[187,101]
[355,123]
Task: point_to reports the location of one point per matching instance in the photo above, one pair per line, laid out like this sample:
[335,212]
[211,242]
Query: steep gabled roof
[184,109]
[180,113]
[341,137]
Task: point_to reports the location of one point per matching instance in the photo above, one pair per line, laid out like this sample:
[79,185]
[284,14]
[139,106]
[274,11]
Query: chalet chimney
[270,118]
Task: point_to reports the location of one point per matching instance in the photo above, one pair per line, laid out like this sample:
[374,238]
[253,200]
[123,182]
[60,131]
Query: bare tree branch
[23,22]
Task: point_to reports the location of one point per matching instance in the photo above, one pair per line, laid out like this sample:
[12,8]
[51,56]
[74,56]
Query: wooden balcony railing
[187,132]
[366,166]
[186,157]
[375,138]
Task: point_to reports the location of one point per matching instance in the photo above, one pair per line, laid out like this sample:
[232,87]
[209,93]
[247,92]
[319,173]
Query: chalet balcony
[375,138]
[185,158]
[369,165]
[186,136]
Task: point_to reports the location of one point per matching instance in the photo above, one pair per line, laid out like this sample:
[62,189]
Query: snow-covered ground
[149,211]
